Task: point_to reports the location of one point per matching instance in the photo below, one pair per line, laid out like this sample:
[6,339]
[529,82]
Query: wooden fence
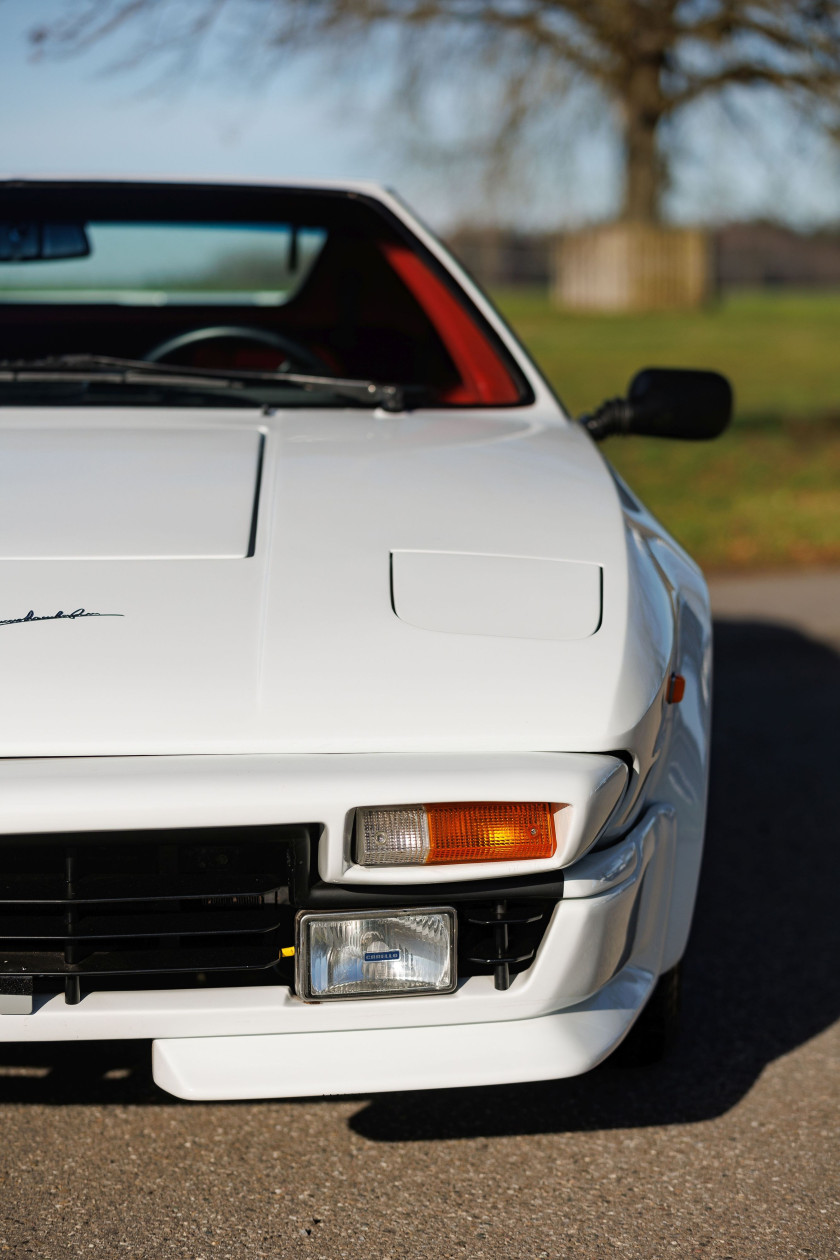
[633,267]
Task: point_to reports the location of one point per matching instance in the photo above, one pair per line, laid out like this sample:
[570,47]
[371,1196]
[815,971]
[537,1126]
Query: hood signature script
[59,616]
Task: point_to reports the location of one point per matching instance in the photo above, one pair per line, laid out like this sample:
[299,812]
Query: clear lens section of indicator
[392,837]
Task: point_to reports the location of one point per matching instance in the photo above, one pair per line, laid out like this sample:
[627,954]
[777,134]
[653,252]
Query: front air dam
[295,1065]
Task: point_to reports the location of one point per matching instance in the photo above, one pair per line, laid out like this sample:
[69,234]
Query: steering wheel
[297,357]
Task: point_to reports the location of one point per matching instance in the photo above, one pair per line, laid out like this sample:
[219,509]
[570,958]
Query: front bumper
[595,968]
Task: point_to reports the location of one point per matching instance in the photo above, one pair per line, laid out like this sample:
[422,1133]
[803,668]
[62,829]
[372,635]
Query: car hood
[315,581]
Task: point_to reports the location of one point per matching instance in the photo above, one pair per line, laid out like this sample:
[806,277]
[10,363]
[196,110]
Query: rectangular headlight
[465,831]
[367,954]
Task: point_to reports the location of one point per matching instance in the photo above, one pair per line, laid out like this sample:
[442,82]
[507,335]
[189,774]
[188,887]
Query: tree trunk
[642,108]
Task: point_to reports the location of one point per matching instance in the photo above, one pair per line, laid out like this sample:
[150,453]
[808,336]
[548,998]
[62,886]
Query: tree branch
[649,57]
[815,83]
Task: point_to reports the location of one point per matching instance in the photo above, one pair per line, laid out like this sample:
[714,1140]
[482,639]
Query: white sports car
[374,682]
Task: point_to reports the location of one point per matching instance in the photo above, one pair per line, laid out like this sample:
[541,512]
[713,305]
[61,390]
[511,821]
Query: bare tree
[652,59]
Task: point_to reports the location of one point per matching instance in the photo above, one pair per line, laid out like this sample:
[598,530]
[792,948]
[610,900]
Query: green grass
[766,494]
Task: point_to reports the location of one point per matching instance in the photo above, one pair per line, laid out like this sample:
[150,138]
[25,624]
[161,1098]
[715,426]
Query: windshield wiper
[110,371]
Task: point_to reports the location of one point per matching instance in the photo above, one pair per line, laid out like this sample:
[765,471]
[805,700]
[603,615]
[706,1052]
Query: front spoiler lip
[366,1061]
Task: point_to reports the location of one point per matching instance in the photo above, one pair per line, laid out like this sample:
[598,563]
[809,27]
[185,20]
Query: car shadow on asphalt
[761,969]
[760,975]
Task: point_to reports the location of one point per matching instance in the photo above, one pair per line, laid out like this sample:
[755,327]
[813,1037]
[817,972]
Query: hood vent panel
[511,597]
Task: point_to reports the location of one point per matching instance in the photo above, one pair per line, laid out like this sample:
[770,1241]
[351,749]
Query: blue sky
[71,116]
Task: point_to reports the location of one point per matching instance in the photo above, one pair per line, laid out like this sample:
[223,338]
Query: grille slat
[503,936]
[117,927]
[50,890]
[136,962]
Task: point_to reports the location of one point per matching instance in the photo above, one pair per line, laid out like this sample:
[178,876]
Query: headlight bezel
[303,952]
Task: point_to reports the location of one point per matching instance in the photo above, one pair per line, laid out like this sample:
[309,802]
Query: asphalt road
[729,1149]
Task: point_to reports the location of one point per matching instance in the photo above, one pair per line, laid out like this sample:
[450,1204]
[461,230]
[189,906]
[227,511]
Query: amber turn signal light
[486,832]
[461,831]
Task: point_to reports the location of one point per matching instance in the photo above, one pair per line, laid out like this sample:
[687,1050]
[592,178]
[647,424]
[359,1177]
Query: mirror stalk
[615,416]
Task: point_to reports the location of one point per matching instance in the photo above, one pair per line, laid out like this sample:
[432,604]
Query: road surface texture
[729,1149]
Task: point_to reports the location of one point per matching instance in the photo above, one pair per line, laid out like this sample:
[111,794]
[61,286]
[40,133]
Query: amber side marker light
[676,689]
[458,831]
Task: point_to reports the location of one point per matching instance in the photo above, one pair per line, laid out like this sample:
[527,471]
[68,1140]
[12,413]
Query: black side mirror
[666,402]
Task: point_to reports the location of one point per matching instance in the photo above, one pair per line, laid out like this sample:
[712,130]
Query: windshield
[235,280]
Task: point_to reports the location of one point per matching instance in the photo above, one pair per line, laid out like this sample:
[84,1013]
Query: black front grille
[150,904]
